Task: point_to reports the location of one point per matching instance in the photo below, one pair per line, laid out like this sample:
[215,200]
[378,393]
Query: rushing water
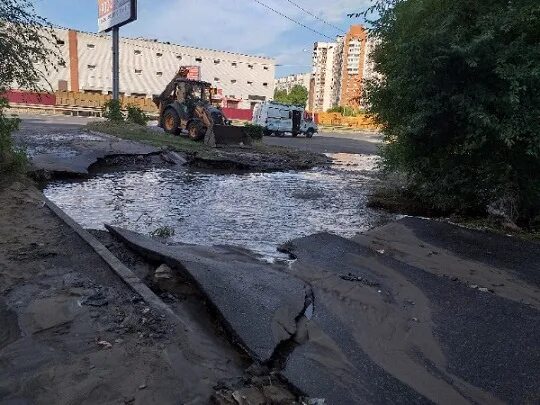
[258,211]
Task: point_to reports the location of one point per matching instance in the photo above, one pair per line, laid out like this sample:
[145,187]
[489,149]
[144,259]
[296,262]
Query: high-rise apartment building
[323,80]
[288,82]
[352,72]
[339,69]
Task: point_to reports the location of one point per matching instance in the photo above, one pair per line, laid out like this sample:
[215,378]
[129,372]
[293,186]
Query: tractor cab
[192,90]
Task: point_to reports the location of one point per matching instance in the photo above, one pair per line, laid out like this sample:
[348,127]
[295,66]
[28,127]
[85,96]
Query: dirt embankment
[257,157]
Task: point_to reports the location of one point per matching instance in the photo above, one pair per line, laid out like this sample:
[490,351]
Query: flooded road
[257,211]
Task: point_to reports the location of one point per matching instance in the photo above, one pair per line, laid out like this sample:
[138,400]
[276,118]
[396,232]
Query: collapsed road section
[374,329]
[257,303]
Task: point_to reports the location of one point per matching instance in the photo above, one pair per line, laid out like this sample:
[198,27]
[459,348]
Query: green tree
[298,95]
[28,52]
[27,45]
[459,101]
[281,96]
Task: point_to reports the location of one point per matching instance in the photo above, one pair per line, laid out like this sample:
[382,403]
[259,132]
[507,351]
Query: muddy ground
[411,312]
[74,333]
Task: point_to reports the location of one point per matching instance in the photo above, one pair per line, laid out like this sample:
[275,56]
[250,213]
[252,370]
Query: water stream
[258,211]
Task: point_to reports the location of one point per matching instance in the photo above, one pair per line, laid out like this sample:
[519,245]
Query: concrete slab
[384,331]
[258,303]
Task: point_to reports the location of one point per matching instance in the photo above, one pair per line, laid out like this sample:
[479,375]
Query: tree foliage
[12,160]
[136,115]
[112,110]
[297,96]
[281,96]
[459,101]
[27,53]
[27,44]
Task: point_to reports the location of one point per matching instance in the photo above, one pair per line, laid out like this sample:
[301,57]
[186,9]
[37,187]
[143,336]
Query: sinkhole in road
[257,211]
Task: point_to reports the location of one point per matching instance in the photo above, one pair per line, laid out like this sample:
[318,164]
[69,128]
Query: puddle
[257,211]
[60,151]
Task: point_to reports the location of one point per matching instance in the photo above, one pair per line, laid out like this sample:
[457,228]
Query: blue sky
[232,25]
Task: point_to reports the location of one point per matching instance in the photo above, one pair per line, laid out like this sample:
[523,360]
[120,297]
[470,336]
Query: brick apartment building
[339,69]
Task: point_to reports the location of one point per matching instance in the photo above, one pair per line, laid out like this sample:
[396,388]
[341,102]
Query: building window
[90,46]
[138,71]
[250,83]
[60,42]
[216,79]
[216,61]
[265,84]
[91,67]
[234,64]
[198,59]
[159,54]
[250,66]
[179,57]
[159,73]
[233,81]
[137,52]
[265,67]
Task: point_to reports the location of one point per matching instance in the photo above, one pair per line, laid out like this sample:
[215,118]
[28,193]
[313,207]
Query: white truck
[278,119]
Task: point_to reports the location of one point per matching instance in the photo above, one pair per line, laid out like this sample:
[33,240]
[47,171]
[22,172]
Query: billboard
[115,13]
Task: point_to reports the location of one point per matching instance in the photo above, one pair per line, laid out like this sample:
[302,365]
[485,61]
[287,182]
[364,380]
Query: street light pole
[116,63]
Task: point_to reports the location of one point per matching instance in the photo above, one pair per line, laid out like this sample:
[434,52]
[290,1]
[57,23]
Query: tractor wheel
[196,130]
[171,122]
[309,133]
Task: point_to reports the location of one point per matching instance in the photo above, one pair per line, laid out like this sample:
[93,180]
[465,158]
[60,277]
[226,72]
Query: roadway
[323,142]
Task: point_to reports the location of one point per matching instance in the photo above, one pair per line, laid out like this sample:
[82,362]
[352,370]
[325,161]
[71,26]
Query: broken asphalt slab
[257,303]
[73,151]
[380,330]
[384,331]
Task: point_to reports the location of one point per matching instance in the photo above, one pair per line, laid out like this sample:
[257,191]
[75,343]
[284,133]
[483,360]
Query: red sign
[194,72]
[115,13]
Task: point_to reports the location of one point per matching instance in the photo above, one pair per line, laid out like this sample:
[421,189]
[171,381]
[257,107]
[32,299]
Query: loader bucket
[230,135]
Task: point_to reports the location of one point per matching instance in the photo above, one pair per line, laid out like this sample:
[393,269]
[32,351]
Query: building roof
[155,41]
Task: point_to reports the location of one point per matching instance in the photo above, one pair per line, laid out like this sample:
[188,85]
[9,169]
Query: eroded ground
[415,311]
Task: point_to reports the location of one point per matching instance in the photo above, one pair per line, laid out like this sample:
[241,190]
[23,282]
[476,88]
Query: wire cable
[316,17]
[293,20]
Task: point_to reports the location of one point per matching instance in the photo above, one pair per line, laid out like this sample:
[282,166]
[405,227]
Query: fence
[69,101]
[337,120]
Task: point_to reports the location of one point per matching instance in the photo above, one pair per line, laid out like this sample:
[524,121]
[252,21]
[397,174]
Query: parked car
[278,119]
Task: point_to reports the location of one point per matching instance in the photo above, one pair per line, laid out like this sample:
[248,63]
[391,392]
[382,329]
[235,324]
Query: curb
[115,264]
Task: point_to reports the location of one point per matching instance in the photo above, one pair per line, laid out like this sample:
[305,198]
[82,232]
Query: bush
[12,160]
[112,110]
[136,115]
[459,102]
[254,131]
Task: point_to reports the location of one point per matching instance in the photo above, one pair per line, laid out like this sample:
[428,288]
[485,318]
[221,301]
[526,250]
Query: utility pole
[116,63]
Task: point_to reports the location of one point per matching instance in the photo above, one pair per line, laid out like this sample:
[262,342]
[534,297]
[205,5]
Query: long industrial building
[146,66]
